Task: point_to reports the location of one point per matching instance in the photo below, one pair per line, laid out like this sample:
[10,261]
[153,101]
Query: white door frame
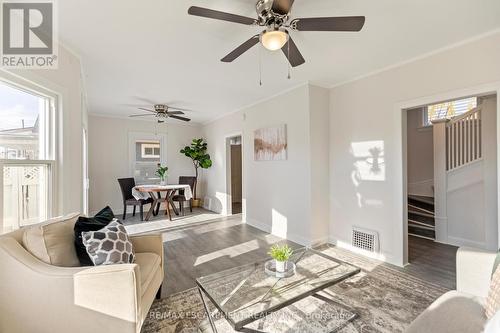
[227,167]
[85,166]
[401,109]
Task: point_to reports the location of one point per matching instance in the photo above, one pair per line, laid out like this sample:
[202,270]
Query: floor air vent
[365,239]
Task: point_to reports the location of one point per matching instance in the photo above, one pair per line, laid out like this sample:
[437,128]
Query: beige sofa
[38,297]
[461,310]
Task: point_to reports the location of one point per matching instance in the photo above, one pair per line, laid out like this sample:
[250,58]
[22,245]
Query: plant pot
[280,266]
[163,182]
[197,203]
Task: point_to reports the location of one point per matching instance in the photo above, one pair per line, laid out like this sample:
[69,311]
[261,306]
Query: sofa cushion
[99,221]
[493,299]
[109,245]
[53,241]
[453,312]
[148,263]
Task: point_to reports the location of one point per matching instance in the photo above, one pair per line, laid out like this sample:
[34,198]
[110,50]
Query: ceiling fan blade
[241,49]
[179,109]
[175,112]
[293,54]
[141,115]
[282,7]
[180,118]
[347,23]
[147,110]
[218,15]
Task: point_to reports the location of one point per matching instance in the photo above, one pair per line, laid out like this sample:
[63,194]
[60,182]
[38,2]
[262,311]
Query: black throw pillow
[99,221]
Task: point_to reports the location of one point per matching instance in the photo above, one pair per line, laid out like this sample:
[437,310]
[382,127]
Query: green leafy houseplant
[162,172]
[197,152]
[281,254]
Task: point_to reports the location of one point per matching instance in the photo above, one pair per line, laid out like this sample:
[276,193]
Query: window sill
[426,128]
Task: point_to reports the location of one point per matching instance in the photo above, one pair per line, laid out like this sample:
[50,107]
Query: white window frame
[134,137]
[51,155]
[152,145]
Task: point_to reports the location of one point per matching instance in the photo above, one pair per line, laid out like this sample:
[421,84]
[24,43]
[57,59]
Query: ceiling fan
[162,112]
[274,15]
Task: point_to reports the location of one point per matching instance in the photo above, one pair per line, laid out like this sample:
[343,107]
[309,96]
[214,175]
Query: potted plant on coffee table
[197,152]
[281,254]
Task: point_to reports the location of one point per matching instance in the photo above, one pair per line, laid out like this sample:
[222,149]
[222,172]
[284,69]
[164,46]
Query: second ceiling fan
[274,15]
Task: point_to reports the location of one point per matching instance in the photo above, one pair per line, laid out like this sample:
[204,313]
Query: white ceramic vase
[280,266]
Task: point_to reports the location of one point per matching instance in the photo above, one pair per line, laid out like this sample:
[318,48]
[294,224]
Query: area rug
[384,298]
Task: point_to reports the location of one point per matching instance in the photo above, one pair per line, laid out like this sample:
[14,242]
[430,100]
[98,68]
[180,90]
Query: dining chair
[126,185]
[180,198]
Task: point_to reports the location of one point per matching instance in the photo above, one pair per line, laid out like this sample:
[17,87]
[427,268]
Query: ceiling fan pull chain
[288,62]
[260,66]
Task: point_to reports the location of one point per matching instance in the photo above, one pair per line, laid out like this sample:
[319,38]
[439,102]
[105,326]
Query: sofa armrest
[148,244]
[113,290]
[474,268]
[88,298]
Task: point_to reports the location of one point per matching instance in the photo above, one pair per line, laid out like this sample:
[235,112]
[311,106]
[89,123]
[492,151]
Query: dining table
[155,192]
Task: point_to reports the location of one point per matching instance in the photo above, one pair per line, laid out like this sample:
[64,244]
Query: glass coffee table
[246,294]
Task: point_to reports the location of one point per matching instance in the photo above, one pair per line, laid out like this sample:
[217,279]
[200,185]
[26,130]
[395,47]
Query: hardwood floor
[204,249]
[431,261]
[211,248]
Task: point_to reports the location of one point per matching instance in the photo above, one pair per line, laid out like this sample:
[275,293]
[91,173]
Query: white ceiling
[153,49]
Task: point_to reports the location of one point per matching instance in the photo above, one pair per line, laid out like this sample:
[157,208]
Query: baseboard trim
[384,257]
[458,241]
[291,237]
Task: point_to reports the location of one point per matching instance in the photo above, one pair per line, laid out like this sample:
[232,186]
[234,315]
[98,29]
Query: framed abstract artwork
[270,144]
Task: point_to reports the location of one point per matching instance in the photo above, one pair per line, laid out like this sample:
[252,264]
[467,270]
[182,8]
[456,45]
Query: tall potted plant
[197,152]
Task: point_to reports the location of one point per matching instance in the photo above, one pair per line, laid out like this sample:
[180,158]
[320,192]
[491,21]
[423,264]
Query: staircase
[421,217]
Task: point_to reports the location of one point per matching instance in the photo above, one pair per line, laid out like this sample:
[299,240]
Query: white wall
[278,192]
[420,150]
[109,155]
[366,111]
[66,82]
[278,195]
[213,183]
[319,106]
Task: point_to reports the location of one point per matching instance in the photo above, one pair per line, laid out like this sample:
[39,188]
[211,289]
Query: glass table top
[245,294]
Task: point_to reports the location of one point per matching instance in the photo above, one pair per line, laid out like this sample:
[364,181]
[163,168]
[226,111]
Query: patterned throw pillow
[493,300]
[109,245]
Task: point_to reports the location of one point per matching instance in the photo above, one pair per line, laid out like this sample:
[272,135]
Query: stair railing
[463,139]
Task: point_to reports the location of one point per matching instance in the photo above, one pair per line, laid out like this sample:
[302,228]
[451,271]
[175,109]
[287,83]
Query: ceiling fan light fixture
[274,40]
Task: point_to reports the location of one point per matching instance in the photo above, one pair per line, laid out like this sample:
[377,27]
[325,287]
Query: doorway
[235,176]
[451,182]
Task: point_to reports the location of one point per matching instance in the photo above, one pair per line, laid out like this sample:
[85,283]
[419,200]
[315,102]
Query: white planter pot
[163,182]
[280,266]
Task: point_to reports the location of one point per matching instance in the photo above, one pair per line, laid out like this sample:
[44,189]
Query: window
[448,110]
[150,150]
[26,156]
[146,151]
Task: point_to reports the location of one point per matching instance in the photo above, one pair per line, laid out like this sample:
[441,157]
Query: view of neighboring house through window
[26,159]
[147,157]
[449,110]
[150,150]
